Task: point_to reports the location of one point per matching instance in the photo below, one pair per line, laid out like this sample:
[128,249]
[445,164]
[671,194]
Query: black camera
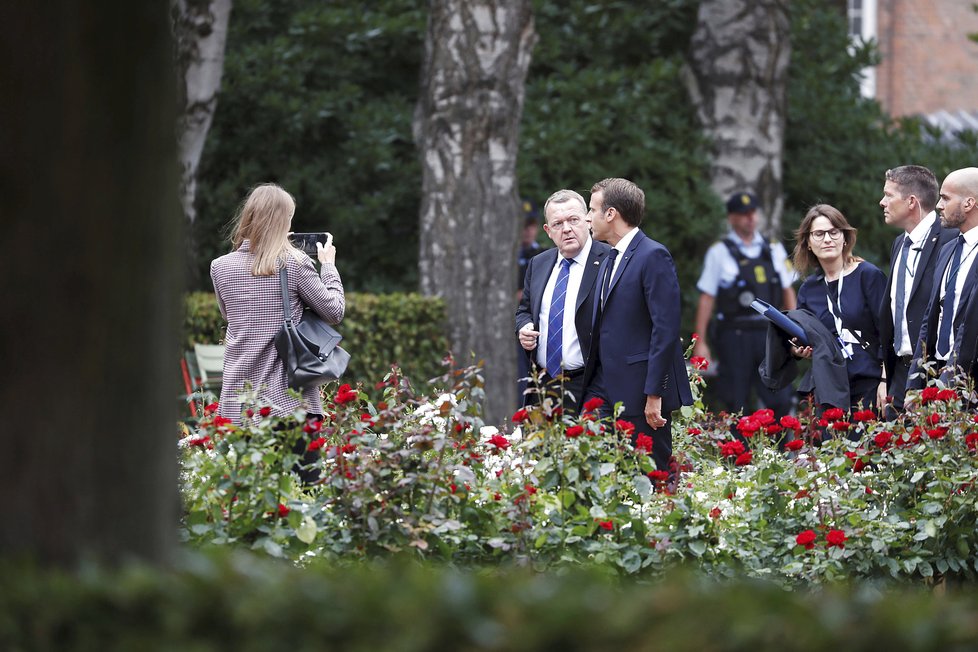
[307,241]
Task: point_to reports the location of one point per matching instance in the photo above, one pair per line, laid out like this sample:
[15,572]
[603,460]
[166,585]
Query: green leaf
[697,547]
[306,532]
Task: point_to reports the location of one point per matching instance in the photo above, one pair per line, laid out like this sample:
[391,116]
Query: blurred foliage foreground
[237,602]
[806,500]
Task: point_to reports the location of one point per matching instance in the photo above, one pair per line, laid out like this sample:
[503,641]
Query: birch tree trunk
[737,78]
[200,29]
[90,282]
[466,125]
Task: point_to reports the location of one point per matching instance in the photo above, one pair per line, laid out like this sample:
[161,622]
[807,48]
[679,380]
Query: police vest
[756,279]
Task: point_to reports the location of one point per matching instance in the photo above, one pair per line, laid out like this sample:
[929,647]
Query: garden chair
[210,366]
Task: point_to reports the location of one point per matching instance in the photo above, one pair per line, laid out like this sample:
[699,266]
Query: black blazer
[963,331]
[920,290]
[538,272]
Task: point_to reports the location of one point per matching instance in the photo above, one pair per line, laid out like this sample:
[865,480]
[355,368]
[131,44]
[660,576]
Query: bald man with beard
[949,334]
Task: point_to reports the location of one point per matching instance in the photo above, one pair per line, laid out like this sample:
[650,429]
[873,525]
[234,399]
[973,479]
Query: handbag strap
[283,277]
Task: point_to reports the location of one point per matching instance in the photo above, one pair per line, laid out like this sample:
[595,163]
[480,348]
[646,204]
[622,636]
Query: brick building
[929,65]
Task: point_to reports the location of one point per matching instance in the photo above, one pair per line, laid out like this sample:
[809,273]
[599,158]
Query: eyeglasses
[572,222]
[834,234]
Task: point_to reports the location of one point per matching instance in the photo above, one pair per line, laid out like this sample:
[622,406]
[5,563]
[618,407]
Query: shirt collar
[971,237]
[581,257]
[737,240]
[626,240]
[919,233]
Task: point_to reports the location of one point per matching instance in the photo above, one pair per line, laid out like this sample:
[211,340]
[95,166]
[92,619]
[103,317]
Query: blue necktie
[947,307]
[555,324]
[901,301]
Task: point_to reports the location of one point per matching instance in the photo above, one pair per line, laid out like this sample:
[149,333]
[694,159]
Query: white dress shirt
[964,269]
[571,355]
[918,237]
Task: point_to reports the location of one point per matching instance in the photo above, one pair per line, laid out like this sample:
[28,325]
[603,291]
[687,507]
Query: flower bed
[423,476]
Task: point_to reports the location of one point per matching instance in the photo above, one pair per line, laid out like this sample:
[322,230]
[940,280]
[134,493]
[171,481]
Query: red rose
[283,511]
[265,411]
[947,395]
[530,489]
[747,426]
[937,433]
[699,362]
[520,415]
[316,444]
[794,444]
[934,419]
[868,490]
[835,538]
[199,441]
[864,415]
[971,440]
[841,425]
[882,439]
[694,337]
[500,442]
[744,459]
[593,404]
[606,525]
[802,493]
[732,448]
[789,421]
[313,425]
[345,394]
[693,431]
[644,443]
[929,394]
[658,476]
[624,427]
[574,431]
[715,513]
[210,408]
[764,417]
[833,414]
[807,539]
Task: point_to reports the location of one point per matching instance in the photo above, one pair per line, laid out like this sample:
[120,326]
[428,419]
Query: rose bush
[799,500]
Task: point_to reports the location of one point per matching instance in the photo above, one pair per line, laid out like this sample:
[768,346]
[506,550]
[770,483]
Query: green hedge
[378,330]
[238,602]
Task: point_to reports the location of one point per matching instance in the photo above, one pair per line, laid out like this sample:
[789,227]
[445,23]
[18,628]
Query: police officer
[739,268]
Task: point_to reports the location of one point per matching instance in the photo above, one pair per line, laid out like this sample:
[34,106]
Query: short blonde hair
[264,220]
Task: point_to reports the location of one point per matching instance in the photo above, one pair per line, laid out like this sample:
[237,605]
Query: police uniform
[735,274]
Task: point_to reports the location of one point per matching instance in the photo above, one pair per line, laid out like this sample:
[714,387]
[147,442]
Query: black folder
[781,320]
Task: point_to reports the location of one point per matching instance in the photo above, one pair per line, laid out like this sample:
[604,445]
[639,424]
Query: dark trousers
[897,385]
[304,468]
[661,439]
[740,351]
[569,388]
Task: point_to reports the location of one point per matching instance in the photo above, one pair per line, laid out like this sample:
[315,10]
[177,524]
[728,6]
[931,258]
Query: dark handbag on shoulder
[310,349]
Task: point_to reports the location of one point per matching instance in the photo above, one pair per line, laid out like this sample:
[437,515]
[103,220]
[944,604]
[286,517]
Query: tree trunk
[200,29]
[737,77]
[466,124]
[89,282]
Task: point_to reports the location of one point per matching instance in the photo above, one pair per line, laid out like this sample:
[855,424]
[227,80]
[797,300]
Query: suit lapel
[930,246]
[625,259]
[546,265]
[591,268]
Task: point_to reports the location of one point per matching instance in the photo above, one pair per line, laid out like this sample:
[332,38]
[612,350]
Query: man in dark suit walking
[637,355]
[553,320]
[909,197]
[947,335]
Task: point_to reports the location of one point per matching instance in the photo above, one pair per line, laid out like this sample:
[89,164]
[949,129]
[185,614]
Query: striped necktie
[555,324]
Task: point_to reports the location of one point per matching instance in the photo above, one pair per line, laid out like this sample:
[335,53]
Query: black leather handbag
[310,349]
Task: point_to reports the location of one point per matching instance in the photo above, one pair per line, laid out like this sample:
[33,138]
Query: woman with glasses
[845,293]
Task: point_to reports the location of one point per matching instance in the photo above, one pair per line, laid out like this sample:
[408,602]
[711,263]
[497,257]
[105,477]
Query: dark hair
[803,259]
[624,196]
[918,181]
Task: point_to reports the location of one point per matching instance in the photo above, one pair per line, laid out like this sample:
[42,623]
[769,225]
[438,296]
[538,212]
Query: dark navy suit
[537,274]
[636,349]
[920,292]
[964,332]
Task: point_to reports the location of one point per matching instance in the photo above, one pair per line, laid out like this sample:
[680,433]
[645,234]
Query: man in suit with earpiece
[553,320]
[637,355]
[909,197]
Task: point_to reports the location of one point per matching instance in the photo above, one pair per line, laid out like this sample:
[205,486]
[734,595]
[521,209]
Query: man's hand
[881,396]
[528,337]
[653,412]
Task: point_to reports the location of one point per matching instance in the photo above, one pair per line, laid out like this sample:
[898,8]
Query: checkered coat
[252,306]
